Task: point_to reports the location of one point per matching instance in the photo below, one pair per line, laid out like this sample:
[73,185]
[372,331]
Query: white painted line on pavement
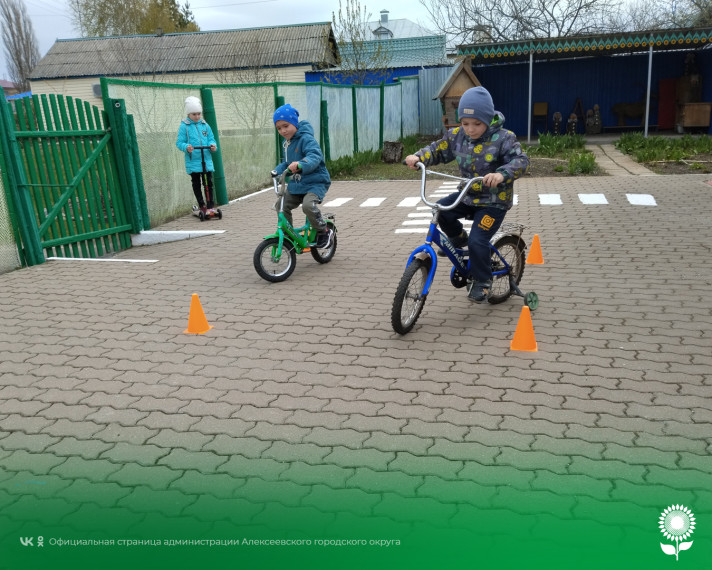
[416,222]
[593,198]
[409,202]
[550,199]
[152,237]
[101,259]
[372,202]
[417,215]
[641,199]
[337,202]
[412,231]
[250,195]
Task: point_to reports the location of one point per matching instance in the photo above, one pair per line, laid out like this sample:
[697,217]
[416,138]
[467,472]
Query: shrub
[582,163]
[659,148]
[552,145]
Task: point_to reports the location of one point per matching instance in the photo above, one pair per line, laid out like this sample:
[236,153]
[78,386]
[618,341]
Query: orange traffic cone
[197,323]
[535,257]
[524,335]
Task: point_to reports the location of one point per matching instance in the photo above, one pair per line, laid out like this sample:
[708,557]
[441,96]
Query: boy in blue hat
[310,179]
[194,131]
[482,147]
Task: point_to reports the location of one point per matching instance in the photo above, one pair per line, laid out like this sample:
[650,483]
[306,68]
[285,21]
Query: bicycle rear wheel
[326,254]
[511,248]
[409,299]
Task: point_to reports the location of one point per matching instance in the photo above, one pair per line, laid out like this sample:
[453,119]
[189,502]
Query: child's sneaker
[325,239]
[204,209]
[479,292]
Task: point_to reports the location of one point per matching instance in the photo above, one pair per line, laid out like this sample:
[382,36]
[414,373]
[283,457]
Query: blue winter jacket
[304,149]
[497,150]
[196,133]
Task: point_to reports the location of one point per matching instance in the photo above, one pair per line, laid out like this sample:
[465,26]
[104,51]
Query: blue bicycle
[507,248]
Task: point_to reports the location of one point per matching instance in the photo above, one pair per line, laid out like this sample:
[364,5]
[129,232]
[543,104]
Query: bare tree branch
[100,18]
[19,42]
[363,58]
[477,21]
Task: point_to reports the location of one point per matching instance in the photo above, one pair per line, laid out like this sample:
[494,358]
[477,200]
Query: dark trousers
[310,206]
[197,189]
[485,223]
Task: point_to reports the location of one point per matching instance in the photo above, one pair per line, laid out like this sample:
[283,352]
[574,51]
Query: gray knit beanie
[476,103]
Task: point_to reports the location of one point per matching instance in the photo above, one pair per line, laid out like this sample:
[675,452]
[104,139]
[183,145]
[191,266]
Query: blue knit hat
[476,103]
[287,113]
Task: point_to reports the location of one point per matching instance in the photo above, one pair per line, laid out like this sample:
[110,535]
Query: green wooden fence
[67,196]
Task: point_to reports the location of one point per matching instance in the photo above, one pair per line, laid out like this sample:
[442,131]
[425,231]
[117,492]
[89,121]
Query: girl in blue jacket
[310,178]
[194,131]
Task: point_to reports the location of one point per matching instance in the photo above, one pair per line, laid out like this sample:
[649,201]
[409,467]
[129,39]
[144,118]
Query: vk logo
[26,541]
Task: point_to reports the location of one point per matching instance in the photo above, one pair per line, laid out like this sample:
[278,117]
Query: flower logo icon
[677,523]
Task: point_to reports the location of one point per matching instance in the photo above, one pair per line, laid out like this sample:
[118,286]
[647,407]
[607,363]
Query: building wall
[81,88]
[604,81]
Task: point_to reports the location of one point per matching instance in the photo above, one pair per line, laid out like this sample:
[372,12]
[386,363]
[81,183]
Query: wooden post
[211,118]
[125,164]
[31,251]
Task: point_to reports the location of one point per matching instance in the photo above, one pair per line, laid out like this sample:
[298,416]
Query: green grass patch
[582,163]
[551,146]
[657,148]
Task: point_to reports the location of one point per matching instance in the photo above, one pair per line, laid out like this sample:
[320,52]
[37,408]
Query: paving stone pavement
[302,397]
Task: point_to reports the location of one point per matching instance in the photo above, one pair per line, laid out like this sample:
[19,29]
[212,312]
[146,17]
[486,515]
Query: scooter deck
[209,215]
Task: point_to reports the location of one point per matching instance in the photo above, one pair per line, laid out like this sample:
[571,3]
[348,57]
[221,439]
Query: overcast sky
[51,19]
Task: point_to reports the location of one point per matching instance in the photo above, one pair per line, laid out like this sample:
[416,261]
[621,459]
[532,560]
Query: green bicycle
[276,257]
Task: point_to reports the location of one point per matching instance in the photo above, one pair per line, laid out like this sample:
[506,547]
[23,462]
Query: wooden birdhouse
[460,80]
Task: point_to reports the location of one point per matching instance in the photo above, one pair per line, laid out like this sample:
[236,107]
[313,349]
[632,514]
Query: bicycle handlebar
[279,180]
[469,181]
[199,147]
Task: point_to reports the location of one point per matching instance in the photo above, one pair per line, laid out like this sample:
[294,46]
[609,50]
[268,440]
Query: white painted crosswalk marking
[337,202]
[372,202]
[550,199]
[412,231]
[641,199]
[593,199]
[409,202]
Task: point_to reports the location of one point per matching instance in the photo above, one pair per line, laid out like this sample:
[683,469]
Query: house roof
[457,70]
[400,28]
[302,44]
[406,52]
[579,46]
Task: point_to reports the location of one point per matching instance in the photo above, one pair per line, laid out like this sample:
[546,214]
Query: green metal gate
[65,195]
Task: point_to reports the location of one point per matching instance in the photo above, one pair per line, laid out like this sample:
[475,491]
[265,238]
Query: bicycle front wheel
[409,300]
[511,248]
[268,266]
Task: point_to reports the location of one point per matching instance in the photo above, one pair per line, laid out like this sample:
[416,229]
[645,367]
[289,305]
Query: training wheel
[531,300]
[219,214]
[201,216]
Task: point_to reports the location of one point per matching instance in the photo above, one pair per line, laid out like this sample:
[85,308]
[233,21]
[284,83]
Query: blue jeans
[485,223]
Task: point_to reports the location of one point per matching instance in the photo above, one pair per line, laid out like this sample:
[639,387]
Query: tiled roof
[588,45]
[303,44]
[407,52]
